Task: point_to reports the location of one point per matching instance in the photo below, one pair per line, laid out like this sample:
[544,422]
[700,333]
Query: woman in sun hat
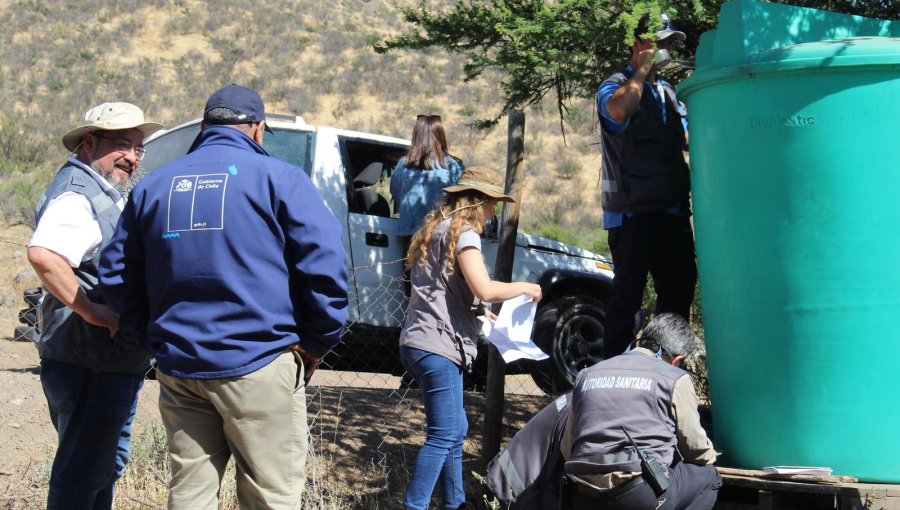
[450,285]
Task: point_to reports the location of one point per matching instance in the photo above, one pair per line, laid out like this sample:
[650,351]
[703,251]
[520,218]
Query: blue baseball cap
[246,104]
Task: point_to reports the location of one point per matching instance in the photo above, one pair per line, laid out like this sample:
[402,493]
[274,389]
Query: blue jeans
[92,414]
[441,382]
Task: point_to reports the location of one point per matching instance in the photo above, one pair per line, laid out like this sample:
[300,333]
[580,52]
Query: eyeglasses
[124,146]
[429,117]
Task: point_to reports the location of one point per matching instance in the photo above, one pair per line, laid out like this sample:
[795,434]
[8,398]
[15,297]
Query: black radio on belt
[653,472]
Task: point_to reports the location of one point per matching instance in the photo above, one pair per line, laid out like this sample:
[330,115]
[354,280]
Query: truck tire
[570,331]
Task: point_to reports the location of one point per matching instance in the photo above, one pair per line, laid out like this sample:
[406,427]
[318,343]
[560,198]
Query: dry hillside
[310,57]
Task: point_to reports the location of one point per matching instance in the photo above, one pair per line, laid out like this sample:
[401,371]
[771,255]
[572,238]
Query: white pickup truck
[352,170]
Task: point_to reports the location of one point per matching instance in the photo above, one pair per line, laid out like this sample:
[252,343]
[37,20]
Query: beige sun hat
[485,180]
[109,117]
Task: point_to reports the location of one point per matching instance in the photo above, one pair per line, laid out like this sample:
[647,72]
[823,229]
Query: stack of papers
[511,332]
[798,470]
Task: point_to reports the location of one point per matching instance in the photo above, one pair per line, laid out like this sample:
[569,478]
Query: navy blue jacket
[230,256]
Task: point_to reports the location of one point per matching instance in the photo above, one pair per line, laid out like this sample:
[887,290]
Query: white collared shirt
[69,226]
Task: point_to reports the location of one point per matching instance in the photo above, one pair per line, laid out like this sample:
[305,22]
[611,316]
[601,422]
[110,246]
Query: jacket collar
[223,135]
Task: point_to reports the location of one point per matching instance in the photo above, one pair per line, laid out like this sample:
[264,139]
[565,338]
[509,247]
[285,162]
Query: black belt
[616,491]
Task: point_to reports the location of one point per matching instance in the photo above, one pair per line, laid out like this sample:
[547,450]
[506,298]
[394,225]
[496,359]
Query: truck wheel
[570,331]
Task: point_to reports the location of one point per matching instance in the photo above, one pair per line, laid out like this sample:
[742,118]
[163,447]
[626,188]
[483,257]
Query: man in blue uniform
[240,272]
[645,190]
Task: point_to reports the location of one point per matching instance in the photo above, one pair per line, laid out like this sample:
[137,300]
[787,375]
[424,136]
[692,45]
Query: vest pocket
[650,189]
[93,346]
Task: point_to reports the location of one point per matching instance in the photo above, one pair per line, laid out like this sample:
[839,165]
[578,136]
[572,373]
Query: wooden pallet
[748,489]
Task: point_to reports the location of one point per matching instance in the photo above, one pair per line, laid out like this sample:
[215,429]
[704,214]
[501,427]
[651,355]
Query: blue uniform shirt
[615,128]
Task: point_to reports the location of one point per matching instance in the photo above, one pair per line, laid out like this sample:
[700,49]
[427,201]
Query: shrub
[567,167]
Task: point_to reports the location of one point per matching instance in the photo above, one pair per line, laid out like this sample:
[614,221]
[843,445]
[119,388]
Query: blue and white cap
[669,30]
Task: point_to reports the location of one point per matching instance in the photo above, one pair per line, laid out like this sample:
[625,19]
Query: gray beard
[122,187]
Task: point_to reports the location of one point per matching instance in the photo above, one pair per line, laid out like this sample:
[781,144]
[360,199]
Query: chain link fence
[366,420]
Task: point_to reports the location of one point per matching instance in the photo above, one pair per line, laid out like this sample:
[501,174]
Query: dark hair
[429,143]
[221,116]
[672,333]
[642,29]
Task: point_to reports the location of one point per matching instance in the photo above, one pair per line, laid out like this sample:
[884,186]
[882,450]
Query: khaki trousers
[259,418]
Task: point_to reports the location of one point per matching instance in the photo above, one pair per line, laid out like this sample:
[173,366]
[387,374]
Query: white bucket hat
[109,117]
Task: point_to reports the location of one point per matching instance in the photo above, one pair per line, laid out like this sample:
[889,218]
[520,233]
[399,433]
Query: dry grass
[363,443]
[309,58]
[364,432]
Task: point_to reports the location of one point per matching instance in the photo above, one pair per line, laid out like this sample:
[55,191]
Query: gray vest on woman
[633,390]
[65,336]
[443,312]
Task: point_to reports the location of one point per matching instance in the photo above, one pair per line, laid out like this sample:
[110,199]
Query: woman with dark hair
[419,177]
[450,283]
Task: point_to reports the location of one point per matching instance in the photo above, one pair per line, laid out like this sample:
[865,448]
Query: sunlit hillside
[313,58]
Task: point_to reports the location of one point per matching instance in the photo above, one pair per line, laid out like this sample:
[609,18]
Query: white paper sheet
[511,333]
[799,470]
[516,319]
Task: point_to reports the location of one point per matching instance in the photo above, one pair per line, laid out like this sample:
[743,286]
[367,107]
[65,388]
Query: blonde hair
[465,211]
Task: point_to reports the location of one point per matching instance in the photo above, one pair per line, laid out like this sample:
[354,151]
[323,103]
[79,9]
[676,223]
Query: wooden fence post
[494,397]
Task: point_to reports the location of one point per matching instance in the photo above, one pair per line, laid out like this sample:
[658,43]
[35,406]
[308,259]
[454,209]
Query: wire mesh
[366,422]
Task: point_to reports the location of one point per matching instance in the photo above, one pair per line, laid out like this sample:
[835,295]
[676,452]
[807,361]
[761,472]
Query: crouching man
[633,438]
[526,474]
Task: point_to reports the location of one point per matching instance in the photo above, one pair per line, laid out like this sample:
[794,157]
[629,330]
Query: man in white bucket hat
[91,383]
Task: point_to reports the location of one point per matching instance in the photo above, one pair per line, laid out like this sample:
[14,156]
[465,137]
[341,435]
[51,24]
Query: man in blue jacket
[239,270]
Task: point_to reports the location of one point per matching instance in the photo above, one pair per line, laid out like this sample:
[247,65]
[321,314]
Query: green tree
[564,47]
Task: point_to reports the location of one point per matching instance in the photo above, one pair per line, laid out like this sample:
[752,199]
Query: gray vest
[526,475]
[634,390]
[644,168]
[65,336]
[443,313]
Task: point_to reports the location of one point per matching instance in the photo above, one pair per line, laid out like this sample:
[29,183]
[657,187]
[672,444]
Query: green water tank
[795,157]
